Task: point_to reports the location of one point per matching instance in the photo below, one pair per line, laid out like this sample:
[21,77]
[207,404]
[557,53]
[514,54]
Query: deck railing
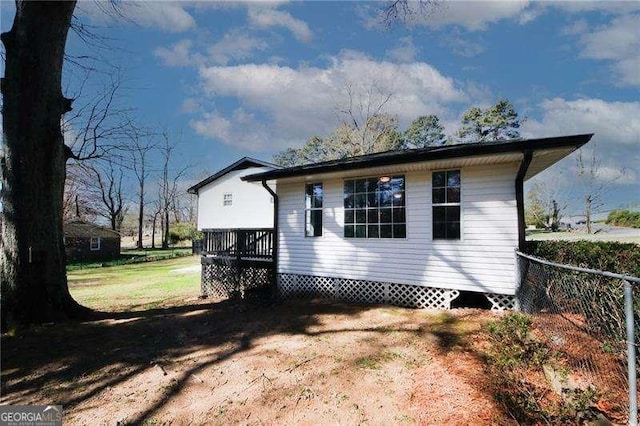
[238,262]
[238,243]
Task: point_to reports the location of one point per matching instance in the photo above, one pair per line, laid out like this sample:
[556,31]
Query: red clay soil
[295,362]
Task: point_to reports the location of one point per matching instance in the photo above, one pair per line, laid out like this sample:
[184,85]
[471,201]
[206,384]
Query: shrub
[182,231]
[513,345]
[624,218]
[621,258]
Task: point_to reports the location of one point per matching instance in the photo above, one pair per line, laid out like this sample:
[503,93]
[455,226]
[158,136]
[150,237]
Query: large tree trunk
[32,268]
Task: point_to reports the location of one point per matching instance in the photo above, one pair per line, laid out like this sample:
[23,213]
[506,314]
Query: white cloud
[478,15]
[189,105]
[235,45]
[267,17]
[616,126]
[472,15]
[461,46]
[177,55]
[406,51]
[300,102]
[165,15]
[609,7]
[578,27]
[617,122]
[619,41]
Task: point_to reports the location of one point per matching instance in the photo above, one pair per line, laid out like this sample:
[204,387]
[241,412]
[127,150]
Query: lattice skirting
[502,302]
[224,279]
[293,285]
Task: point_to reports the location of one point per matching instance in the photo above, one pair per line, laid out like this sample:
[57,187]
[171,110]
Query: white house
[412,228]
[225,201]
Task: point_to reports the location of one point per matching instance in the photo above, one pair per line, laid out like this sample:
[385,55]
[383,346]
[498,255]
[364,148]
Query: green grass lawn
[137,286]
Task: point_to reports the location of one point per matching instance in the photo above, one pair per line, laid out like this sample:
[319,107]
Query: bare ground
[294,362]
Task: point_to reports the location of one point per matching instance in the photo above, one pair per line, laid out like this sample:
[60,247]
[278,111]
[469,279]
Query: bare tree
[365,129]
[169,178]
[100,126]
[104,182]
[594,182]
[542,206]
[156,211]
[407,11]
[141,147]
[365,126]
[78,200]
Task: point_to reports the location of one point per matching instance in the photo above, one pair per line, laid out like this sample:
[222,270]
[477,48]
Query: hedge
[621,258]
[624,218]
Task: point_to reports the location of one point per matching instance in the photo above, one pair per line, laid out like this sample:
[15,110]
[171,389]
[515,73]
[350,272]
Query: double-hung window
[445,198]
[375,207]
[227,199]
[313,209]
[94,243]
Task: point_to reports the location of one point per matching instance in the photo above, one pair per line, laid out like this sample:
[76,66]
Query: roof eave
[194,189]
[411,156]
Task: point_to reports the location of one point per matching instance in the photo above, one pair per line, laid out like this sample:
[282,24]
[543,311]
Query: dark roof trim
[243,163]
[426,154]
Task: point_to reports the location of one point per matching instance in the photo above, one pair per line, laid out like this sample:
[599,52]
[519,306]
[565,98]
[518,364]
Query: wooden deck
[238,263]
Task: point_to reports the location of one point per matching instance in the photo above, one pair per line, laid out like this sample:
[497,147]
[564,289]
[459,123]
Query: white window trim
[458,204]
[406,210]
[93,247]
[311,209]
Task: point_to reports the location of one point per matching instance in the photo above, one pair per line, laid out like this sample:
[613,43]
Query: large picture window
[313,210]
[375,207]
[445,199]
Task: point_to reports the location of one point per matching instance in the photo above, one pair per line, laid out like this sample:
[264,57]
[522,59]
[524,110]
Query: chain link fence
[591,319]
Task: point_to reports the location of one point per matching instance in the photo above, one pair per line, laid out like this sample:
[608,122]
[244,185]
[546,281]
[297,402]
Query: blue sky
[249,79]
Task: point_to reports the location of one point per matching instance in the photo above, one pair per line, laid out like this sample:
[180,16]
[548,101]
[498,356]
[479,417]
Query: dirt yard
[294,362]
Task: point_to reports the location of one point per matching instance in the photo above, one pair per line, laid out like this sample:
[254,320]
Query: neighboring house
[85,241]
[225,201]
[413,227]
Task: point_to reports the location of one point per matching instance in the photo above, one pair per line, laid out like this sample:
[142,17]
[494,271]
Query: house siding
[251,203]
[78,249]
[483,260]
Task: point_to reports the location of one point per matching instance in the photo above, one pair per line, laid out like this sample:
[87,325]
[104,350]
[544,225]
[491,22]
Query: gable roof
[81,229]
[546,151]
[241,164]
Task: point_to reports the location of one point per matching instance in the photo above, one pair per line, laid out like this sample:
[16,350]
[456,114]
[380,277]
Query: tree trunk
[32,258]
[140,215]
[153,232]
[165,231]
[587,212]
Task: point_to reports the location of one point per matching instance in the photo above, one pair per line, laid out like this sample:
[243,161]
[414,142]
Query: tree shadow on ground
[128,343]
[92,356]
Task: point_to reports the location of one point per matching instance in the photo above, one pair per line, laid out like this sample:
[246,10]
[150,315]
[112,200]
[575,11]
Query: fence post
[631,354]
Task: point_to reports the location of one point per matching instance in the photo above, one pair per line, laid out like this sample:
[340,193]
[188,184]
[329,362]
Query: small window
[375,207]
[445,200]
[95,243]
[313,209]
[227,199]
